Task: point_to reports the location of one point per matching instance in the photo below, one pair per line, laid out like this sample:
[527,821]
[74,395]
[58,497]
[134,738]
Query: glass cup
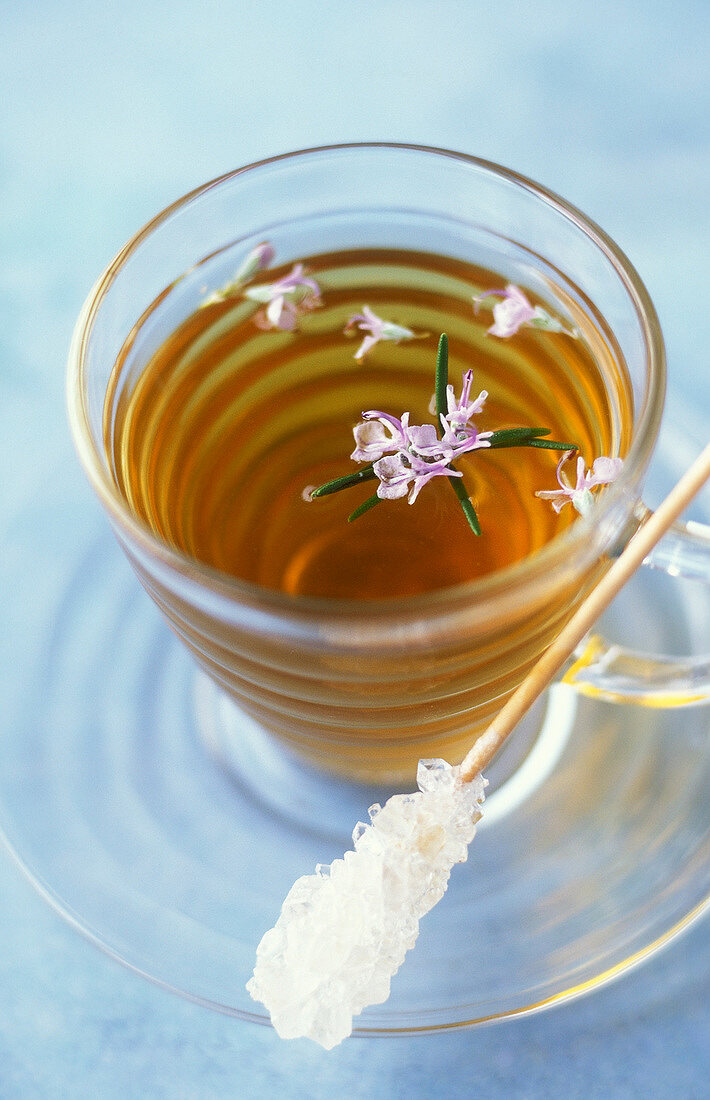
[365,689]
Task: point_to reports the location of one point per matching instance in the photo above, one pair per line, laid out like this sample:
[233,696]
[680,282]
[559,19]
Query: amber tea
[227,424]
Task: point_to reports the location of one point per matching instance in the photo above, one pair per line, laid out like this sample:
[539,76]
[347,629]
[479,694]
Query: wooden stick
[638,548]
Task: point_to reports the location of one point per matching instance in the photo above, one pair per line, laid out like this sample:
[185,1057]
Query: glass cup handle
[614,673]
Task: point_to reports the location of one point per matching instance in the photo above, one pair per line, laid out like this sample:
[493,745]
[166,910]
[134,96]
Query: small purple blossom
[458,425]
[255,261]
[376,330]
[461,411]
[603,472]
[395,475]
[378,434]
[513,311]
[286,300]
[510,313]
[397,471]
[424,441]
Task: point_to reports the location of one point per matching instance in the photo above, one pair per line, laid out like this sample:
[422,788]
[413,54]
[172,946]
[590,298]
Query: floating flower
[378,434]
[424,441]
[603,472]
[255,261]
[285,300]
[377,330]
[396,472]
[457,422]
[461,411]
[513,311]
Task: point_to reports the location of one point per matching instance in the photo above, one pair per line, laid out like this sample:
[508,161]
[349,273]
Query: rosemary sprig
[405,465]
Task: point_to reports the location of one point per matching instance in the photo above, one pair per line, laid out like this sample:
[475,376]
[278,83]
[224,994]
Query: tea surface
[218,433]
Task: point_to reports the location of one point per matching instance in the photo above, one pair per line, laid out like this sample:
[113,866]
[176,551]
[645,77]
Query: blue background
[112,111]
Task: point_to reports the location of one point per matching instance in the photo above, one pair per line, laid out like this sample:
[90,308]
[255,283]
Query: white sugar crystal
[343,932]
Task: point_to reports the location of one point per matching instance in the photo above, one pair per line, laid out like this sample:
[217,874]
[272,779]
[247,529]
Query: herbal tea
[234,416]
[218,426]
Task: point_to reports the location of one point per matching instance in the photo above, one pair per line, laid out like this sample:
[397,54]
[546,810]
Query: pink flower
[395,475]
[514,311]
[397,471]
[378,434]
[461,411]
[423,440]
[259,258]
[603,472]
[377,330]
[511,312]
[460,432]
[285,300]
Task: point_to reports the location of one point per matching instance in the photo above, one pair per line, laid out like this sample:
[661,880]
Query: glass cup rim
[575,541]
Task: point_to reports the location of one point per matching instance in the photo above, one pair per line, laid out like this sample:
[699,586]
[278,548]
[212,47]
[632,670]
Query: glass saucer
[123,799]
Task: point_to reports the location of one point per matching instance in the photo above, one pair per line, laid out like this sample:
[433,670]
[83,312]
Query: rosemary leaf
[468,510]
[552,445]
[345,482]
[442,377]
[364,507]
[512,437]
[528,437]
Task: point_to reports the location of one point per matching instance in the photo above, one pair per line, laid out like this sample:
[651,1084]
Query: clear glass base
[168,830]
[302,798]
